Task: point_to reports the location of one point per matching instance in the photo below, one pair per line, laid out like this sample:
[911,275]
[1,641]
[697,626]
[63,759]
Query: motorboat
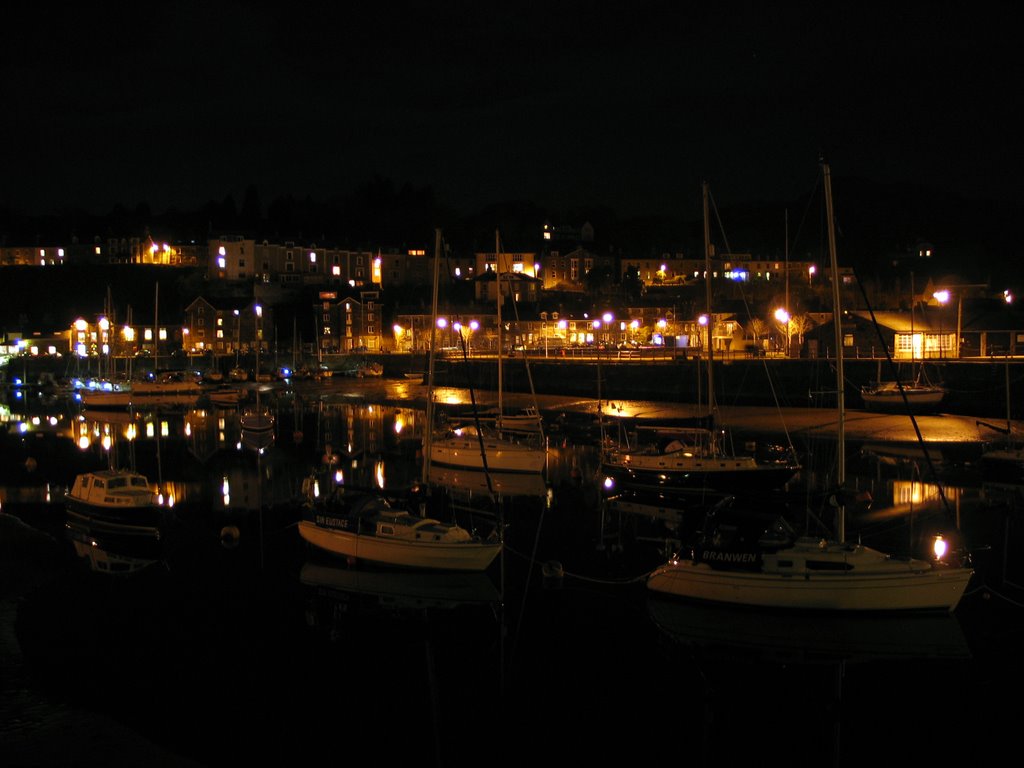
[116,496]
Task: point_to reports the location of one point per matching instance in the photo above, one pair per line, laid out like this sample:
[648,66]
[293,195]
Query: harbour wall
[976,387]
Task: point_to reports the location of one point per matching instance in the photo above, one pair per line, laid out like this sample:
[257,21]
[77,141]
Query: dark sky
[627,105]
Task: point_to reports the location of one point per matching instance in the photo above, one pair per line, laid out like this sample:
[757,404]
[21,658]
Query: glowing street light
[943,295]
[782,317]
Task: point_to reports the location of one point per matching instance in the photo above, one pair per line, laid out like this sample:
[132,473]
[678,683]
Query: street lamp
[259,338]
[704,321]
[942,296]
[782,316]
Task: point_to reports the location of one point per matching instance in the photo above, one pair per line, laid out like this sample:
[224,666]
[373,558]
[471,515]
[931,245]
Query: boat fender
[229,536]
[552,572]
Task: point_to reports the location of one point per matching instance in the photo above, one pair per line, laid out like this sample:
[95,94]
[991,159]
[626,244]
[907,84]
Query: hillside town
[563,293]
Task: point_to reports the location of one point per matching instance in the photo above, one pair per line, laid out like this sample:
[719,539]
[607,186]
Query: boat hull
[114,497]
[726,475]
[446,556]
[1004,465]
[898,590]
[142,395]
[891,400]
[501,456]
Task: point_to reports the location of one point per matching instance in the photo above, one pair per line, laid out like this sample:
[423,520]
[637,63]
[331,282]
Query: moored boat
[114,496]
[747,555]
[363,525]
[692,458]
[897,397]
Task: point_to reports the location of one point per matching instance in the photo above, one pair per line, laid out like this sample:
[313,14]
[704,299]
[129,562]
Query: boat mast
[497,283]
[840,393]
[156,329]
[428,429]
[707,301]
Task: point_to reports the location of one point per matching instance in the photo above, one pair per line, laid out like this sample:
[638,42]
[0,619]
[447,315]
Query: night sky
[625,105]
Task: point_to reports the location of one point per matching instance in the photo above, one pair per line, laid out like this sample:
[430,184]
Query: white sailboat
[768,566]
[665,458]
[257,422]
[479,446]
[368,526]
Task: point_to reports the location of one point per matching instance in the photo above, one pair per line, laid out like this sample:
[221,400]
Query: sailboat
[919,395]
[1002,461]
[257,423]
[369,526]
[752,558]
[663,458]
[166,388]
[478,445]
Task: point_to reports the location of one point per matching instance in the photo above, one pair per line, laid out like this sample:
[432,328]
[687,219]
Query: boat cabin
[110,488]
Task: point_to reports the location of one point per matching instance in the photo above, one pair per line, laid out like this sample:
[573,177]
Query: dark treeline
[879,226]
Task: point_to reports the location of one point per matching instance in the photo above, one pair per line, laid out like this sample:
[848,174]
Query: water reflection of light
[129,432]
[339,477]
[225,490]
[914,492]
[399,423]
[379,471]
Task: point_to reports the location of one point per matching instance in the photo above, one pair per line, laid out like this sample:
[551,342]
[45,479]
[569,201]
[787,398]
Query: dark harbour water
[237,643]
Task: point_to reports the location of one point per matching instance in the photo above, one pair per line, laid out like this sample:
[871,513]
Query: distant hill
[49,298]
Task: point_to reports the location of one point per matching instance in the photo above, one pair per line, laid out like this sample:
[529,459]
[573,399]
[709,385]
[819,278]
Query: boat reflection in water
[806,638]
[402,589]
[111,548]
[470,481]
[822,684]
